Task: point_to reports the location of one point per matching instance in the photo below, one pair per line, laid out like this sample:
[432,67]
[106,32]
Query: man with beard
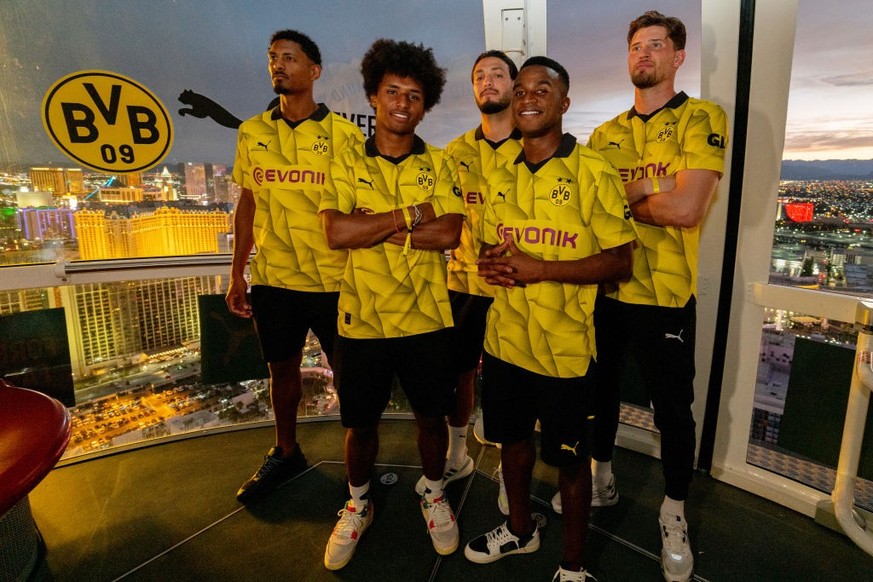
[282,161]
[477,153]
[669,150]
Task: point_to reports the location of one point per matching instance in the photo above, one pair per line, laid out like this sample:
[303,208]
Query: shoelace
[270,463]
[441,516]
[349,524]
[498,537]
[675,537]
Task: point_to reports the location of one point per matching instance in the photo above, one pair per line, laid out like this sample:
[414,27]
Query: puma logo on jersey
[265,145]
[675,336]
[501,195]
[571,449]
[367,182]
[615,144]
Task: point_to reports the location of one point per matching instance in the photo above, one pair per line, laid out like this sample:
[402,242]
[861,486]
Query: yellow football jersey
[385,293]
[475,157]
[685,134]
[286,167]
[568,207]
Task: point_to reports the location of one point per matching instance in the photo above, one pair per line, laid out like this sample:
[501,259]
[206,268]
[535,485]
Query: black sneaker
[500,542]
[272,473]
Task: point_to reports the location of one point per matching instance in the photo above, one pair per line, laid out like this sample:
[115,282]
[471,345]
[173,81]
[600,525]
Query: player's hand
[508,266]
[236,299]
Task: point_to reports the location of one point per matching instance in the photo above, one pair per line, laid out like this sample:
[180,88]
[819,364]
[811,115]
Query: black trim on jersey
[677,100]
[418,148]
[568,143]
[318,115]
[479,135]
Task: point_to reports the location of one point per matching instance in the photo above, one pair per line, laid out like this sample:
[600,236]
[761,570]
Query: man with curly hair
[396,205]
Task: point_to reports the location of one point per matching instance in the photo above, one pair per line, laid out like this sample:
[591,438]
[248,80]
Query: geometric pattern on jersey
[476,157]
[285,166]
[385,293]
[686,134]
[570,207]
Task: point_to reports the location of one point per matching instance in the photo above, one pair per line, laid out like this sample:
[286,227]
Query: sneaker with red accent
[441,524]
[348,531]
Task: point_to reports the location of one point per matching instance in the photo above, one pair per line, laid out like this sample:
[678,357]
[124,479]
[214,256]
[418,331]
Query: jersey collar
[677,100]
[568,142]
[371,150]
[318,115]
[478,135]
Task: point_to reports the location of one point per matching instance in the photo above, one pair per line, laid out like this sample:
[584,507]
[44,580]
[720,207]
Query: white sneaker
[348,530]
[441,524]
[677,561]
[499,542]
[452,473]
[563,575]
[502,498]
[600,496]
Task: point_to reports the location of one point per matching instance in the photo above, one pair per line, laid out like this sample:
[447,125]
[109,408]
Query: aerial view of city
[135,350]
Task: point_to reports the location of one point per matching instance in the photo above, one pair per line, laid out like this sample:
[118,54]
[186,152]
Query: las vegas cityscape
[136,350]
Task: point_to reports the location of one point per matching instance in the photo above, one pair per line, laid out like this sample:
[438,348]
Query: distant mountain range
[827,169]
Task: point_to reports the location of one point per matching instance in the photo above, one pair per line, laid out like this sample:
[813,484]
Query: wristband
[394,216]
[656,185]
[418,216]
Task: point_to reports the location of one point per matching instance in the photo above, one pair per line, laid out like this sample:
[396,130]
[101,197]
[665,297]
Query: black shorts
[283,317]
[365,369]
[513,399]
[469,312]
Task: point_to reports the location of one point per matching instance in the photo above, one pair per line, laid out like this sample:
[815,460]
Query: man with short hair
[295,276]
[669,150]
[477,153]
[395,203]
[556,225]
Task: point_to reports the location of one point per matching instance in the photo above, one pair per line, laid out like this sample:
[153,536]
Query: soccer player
[396,204]
[477,153]
[669,151]
[556,225]
[282,161]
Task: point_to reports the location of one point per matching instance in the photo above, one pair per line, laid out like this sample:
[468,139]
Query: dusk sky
[218,49]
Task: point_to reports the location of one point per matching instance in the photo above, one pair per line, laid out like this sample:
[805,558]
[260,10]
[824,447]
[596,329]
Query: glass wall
[823,240]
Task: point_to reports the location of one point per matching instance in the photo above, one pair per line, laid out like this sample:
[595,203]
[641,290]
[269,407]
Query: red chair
[34,432]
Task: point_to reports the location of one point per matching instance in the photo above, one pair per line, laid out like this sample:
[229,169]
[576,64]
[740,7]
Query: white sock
[601,472]
[432,489]
[673,507]
[457,444]
[359,495]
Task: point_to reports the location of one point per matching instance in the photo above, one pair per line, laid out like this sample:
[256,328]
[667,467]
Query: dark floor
[168,512]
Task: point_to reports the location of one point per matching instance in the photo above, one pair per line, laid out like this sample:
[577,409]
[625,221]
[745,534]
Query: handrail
[65,272]
[843,495]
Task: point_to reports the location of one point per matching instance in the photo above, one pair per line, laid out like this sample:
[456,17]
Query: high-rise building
[195,181]
[121,195]
[41,224]
[164,232]
[58,181]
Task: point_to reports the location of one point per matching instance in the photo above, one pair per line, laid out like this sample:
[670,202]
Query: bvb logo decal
[665,134]
[560,195]
[107,122]
[425,181]
[320,148]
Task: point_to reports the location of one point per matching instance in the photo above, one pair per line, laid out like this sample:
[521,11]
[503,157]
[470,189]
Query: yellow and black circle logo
[320,148]
[425,181]
[665,134]
[107,122]
[560,195]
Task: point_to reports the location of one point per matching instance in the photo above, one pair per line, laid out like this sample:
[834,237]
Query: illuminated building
[58,181]
[195,181]
[165,232]
[121,195]
[41,224]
